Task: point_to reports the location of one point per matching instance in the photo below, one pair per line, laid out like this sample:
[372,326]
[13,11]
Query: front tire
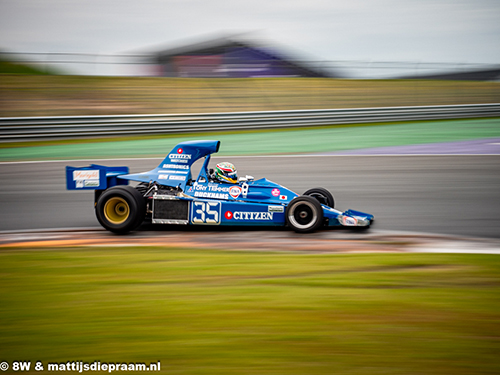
[120,209]
[304,214]
[322,195]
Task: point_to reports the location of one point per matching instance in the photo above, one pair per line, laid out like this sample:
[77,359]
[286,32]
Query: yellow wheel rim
[116,210]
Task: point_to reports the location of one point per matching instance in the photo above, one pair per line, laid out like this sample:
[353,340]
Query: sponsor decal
[174,157]
[177,178]
[178,160]
[198,186]
[212,187]
[349,221]
[175,172]
[163,176]
[86,178]
[235,191]
[228,215]
[190,189]
[174,166]
[276,209]
[275,192]
[248,216]
[283,197]
[180,151]
[207,194]
[86,175]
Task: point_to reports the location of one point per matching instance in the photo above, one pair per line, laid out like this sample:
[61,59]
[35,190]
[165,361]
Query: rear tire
[120,209]
[304,214]
[322,195]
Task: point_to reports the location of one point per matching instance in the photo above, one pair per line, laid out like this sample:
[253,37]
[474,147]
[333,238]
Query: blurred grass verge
[215,312]
[10,68]
[25,93]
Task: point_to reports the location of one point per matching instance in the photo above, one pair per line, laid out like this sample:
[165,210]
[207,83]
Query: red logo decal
[235,191]
[180,151]
[275,192]
[228,215]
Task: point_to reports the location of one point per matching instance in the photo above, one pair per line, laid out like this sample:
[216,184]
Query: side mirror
[246,178]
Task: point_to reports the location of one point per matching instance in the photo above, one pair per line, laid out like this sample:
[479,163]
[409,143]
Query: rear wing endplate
[94,177]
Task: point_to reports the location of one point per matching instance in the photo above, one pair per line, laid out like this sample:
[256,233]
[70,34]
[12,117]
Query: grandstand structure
[228,57]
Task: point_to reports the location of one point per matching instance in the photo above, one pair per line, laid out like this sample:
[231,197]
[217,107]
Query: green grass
[9,68]
[215,312]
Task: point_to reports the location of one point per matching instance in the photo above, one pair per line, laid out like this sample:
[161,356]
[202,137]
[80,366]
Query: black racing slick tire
[322,195]
[304,214]
[120,209]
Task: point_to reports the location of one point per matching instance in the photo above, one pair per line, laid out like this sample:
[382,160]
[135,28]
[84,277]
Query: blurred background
[94,57]
[225,75]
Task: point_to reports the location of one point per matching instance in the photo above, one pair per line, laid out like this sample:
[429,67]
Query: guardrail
[14,129]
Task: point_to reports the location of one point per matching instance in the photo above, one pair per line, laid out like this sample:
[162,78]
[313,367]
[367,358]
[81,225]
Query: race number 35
[205,213]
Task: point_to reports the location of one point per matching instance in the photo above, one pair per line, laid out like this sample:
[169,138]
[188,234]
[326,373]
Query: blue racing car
[170,194]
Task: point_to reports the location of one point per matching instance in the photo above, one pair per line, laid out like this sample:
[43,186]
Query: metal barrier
[16,129]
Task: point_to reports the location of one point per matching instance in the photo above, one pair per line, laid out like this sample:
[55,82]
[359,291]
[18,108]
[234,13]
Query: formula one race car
[169,194]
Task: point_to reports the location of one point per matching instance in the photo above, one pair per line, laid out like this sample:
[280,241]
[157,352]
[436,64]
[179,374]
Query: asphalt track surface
[441,194]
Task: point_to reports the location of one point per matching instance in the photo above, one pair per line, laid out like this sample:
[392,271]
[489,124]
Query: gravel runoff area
[329,241]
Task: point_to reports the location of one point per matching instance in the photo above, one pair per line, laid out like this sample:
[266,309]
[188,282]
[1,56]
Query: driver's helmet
[226,172]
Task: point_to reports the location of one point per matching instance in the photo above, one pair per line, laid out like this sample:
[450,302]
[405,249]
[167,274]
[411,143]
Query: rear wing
[94,177]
